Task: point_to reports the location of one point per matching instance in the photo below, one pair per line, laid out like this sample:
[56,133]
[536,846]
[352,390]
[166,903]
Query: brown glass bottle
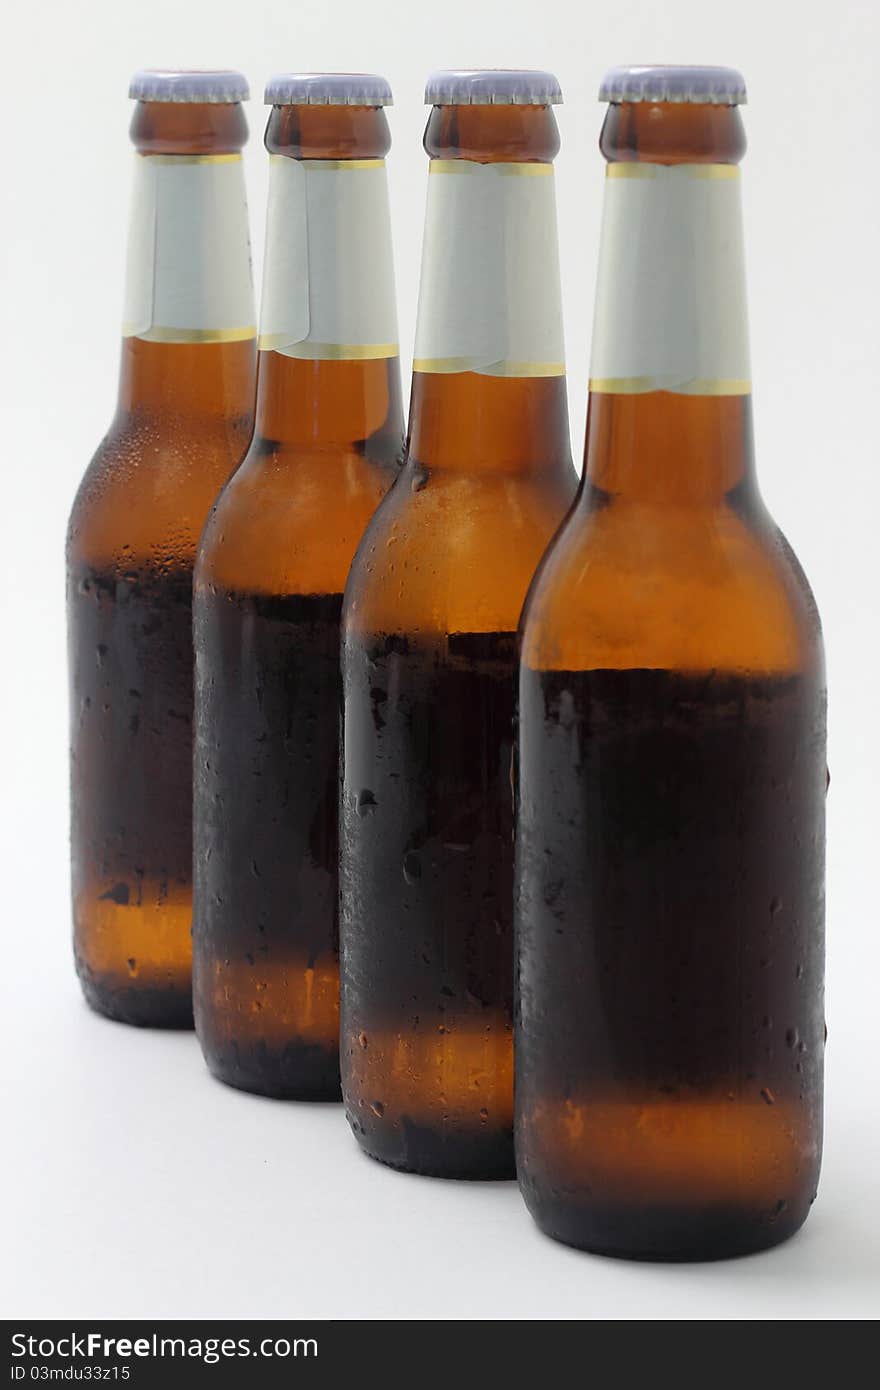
[429,625]
[183,417]
[268,595]
[670,846]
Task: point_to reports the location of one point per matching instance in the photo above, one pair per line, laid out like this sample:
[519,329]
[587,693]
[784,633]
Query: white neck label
[670,301]
[328,279]
[189,277]
[489,299]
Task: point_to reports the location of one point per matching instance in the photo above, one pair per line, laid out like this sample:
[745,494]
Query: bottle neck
[329,372]
[488,391]
[348,406]
[469,422]
[182,382]
[663,448]
[188,325]
[670,381]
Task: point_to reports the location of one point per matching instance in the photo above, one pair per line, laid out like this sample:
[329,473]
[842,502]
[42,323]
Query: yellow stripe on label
[470,166]
[637,170]
[326,352]
[346,164]
[180,159]
[526,369]
[525,170]
[642,385]
[448,365]
[158,334]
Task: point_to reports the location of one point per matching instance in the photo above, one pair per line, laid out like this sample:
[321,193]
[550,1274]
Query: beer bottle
[670,851]
[268,595]
[429,633]
[183,418]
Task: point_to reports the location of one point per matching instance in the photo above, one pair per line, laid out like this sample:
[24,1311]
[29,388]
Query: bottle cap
[328,89]
[160,85]
[492,87]
[707,86]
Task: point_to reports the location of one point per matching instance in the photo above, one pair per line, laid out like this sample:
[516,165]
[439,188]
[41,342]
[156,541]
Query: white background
[137,1186]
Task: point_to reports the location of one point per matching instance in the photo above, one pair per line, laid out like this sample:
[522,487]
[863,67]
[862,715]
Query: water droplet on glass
[412,867]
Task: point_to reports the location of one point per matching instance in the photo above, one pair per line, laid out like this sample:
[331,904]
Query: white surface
[133,1184]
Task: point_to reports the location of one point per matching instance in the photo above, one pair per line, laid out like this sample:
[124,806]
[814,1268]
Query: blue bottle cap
[328,89]
[656,82]
[161,85]
[492,87]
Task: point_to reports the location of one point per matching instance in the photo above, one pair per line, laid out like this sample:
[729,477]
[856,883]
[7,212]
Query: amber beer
[670,852]
[182,421]
[268,595]
[429,625]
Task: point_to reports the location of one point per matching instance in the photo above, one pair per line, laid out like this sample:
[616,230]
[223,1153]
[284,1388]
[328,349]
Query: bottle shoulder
[671,587]
[147,491]
[289,520]
[453,551]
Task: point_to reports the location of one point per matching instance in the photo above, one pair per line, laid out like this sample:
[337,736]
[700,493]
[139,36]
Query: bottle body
[670,952]
[183,420]
[428,658]
[268,595]
[670,842]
